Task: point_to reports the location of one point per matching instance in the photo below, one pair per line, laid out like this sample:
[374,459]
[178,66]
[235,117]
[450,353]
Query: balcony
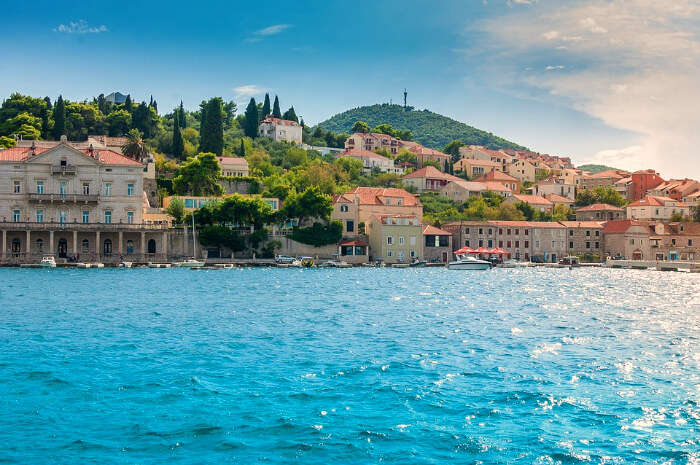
[64,198]
[63,169]
[85,227]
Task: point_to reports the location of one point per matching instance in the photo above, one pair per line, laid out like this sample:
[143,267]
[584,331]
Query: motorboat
[467,262]
[48,262]
[189,263]
[125,265]
[418,264]
[98,265]
[336,264]
[570,261]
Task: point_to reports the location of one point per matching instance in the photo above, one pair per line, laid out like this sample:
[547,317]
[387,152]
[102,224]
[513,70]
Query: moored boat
[48,262]
[189,263]
[466,262]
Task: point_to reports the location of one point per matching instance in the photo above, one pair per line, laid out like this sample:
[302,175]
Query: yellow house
[475,168]
[395,238]
[522,170]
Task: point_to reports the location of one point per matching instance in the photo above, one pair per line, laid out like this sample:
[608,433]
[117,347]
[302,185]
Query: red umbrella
[500,251]
[464,250]
[482,250]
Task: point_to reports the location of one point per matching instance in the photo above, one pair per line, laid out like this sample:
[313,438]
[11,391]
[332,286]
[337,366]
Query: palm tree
[135,146]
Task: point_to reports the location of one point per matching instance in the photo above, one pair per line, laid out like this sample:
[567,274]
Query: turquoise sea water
[398,366]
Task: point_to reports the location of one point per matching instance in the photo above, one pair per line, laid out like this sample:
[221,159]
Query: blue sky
[577,78]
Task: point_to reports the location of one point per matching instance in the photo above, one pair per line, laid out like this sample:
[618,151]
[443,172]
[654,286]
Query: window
[412,240]
[39,245]
[517,231]
[16,215]
[500,231]
[588,245]
[413,254]
[490,231]
[597,233]
[526,232]
[466,230]
[62,216]
[690,242]
[63,188]
[517,244]
[86,216]
[500,244]
[129,246]
[631,241]
[527,244]
[40,216]
[490,243]
[350,226]
[597,245]
[107,247]
[86,188]
[190,203]
[466,243]
[108,189]
[588,233]
[389,240]
[673,242]
[481,231]
[508,244]
[40,187]
[389,253]
[130,189]
[130,217]
[108,217]
[481,243]
[85,246]
[343,208]
[571,232]
[571,245]
[508,231]
[17,187]
[401,240]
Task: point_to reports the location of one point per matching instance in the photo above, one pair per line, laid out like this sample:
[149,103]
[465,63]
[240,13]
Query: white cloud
[248,90]
[268,31]
[554,67]
[80,27]
[637,63]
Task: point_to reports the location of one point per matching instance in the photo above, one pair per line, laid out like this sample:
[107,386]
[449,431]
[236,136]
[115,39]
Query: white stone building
[280,130]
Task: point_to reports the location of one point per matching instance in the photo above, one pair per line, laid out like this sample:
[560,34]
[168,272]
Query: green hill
[595,168]
[428,128]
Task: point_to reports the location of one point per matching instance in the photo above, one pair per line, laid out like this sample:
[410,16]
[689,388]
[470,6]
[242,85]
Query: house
[676,241]
[548,241]
[372,141]
[116,98]
[514,237]
[355,207]
[604,178]
[642,182]
[280,130]
[354,251]
[624,187]
[555,185]
[461,190]
[538,203]
[692,200]
[371,161]
[437,244]
[584,237]
[424,154]
[523,170]
[395,238]
[600,212]
[71,202]
[628,239]
[502,178]
[428,179]
[571,176]
[559,200]
[675,189]
[656,208]
[475,168]
[474,152]
[233,167]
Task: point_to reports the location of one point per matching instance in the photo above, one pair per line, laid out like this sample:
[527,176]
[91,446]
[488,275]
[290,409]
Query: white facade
[280,130]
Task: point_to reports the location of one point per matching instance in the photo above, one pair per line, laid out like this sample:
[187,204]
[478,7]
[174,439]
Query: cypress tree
[266,107]
[59,119]
[301,123]
[290,115]
[212,131]
[178,142]
[127,103]
[241,152]
[183,120]
[276,112]
[203,124]
[251,119]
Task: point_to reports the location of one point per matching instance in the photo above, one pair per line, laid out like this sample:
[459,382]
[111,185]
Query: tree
[176,209]
[128,105]
[135,147]
[290,115]
[360,126]
[696,213]
[452,149]
[118,122]
[241,151]
[251,119]
[59,119]
[199,176]
[600,194]
[182,120]
[276,112]
[677,217]
[211,133]
[266,107]
[527,210]
[7,142]
[45,119]
[311,203]
[178,141]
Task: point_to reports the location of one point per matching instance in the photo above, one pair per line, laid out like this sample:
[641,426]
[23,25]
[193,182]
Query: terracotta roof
[655,201]
[373,195]
[431,172]
[620,226]
[433,231]
[419,149]
[105,156]
[556,198]
[599,207]
[357,243]
[533,199]
[494,186]
[496,175]
[279,121]
[232,161]
[608,174]
[582,224]
[545,224]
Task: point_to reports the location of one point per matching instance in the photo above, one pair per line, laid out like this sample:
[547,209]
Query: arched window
[85,246]
[152,246]
[62,248]
[39,245]
[107,248]
[129,246]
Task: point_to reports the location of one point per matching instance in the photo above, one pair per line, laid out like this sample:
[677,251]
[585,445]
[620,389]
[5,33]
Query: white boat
[98,265]
[189,263]
[82,265]
[125,265]
[467,262]
[48,262]
[336,264]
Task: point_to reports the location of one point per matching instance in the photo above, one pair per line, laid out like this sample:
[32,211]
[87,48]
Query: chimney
[32,149]
[91,151]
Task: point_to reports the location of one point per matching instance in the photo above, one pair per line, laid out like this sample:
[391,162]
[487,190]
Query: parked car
[284,259]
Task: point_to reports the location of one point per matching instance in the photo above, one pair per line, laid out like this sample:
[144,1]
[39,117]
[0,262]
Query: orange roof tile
[533,199]
[431,172]
[599,207]
[433,231]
